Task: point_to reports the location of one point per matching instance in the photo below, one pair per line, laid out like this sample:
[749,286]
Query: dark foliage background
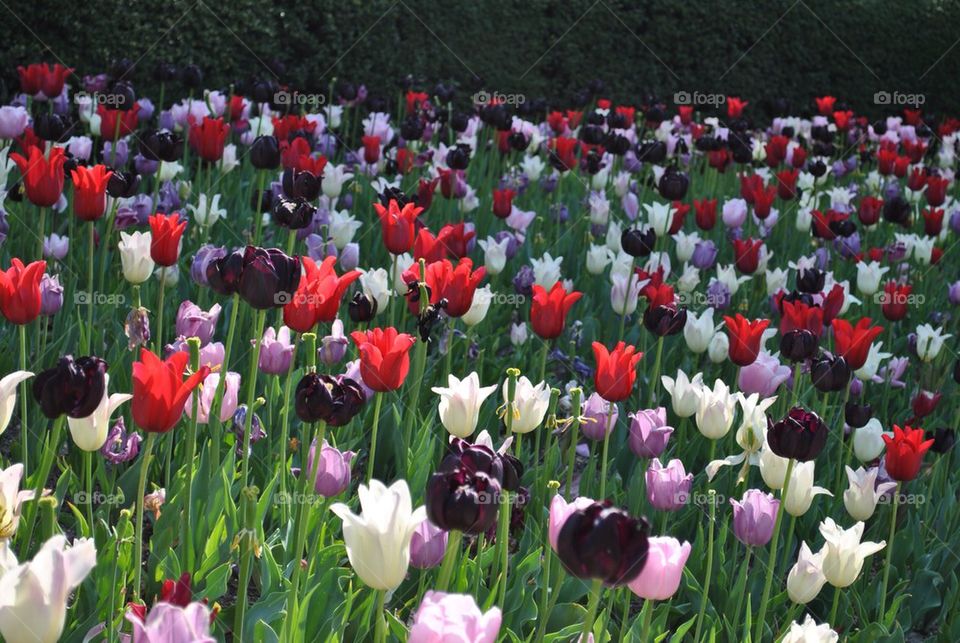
[785,48]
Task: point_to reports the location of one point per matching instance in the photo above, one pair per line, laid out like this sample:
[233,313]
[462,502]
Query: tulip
[457,284]
[166,238]
[806,578]
[208,137]
[90,185]
[548,311]
[605,543]
[660,578]
[598,420]
[698,332]
[384,357]
[754,517]
[228,403]
[616,370]
[427,546]
[518,334]
[745,338]
[90,433]
[869,276]
[397,225]
[74,387]
[8,396]
[649,432]
[43,175]
[715,410]
[843,553]
[332,472]
[530,404]
[332,399]
[193,321]
[135,256]
[378,540]
[168,621]
[930,342]
[800,436]
[668,487]
[453,617]
[622,300]
[33,606]
[862,496]
[764,376]
[13,121]
[482,299]
[868,441]
[773,468]
[905,452]
[802,490]
[10,500]
[719,348]
[460,402]
[494,253]
[334,178]
[159,390]
[463,498]
[684,392]
[560,510]
[20,297]
[810,632]
[207,211]
[853,342]
[276,351]
[263,277]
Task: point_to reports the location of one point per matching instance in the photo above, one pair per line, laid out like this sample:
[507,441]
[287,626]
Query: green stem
[24,432]
[87,337]
[449,559]
[247,543]
[251,392]
[834,606]
[772,558]
[380,635]
[377,402]
[646,619]
[193,345]
[138,532]
[606,448]
[88,486]
[595,590]
[42,229]
[285,426]
[705,595]
[215,424]
[741,583]
[889,557]
[655,382]
[158,339]
[574,430]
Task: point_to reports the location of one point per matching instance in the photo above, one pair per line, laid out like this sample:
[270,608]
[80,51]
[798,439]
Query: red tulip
[208,138]
[763,201]
[20,291]
[932,221]
[397,225]
[787,184]
[503,203]
[719,159]
[745,336]
[799,316]
[832,303]
[42,177]
[842,119]
[894,301]
[853,342]
[616,371]
[428,247]
[371,149]
[917,179]
[455,238]
[115,123]
[735,107]
[686,114]
[905,452]
[287,125]
[31,77]
[799,157]
[886,158]
[563,153]
[548,311]
[900,166]
[825,104]
[680,211]
[166,231]
[776,149]
[746,254]
[425,191]
[384,357]
[90,191]
[457,284]
[41,77]
[749,186]
[706,213]
[159,390]
[870,209]
[318,295]
[557,122]
[936,191]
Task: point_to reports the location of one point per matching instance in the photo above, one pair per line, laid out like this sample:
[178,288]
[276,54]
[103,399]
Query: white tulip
[228,161]
[810,632]
[334,178]
[802,491]
[401,264]
[546,270]
[776,280]
[622,301]
[10,500]
[375,285]
[135,256]
[699,331]
[378,540]
[843,552]
[715,410]
[343,226]
[862,495]
[773,468]
[684,392]
[599,208]
[806,578]
[530,404]
[612,239]
[518,334]
[660,216]
[33,595]
[8,395]
[930,342]
[494,254]
[868,441]
[727,275]
[460,403]
[598,258]
[90,433]
[532,167]
[207,211]
[686,243]
[719,348]
[482,298]
[870,367]
[869,276]
[168,276]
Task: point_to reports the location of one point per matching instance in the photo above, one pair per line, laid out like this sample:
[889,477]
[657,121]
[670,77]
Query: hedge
[793,49]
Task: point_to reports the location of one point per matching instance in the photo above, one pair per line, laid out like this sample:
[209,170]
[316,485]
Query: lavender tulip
[193,321]
[595,412]
[276,351]
[754,517]
[649,432]
[428,545]
[668,487]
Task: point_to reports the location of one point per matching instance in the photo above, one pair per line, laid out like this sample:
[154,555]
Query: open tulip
[20,296]
[384,357]
[745,338]
[905,452]
[11,497]
[453,617]
[90,433]
[843,553]
[43,175]
[33,603]
[661,574]
[460,403]
[810,632]
[616,370]
[228,403]
[548,310]
[806,578]
[378,540]
[8,395]
[684,392]
[135,256]
[159,390]
[862,495]
[530,404]
[802,490]
[167,621]
[166,238]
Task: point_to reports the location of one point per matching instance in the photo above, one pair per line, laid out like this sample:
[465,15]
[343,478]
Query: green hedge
[789,48]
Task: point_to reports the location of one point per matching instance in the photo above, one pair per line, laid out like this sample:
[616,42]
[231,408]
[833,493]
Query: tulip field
[429,366]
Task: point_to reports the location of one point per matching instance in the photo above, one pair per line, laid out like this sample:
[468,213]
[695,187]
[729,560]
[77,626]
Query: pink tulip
[453,617]
[661,574]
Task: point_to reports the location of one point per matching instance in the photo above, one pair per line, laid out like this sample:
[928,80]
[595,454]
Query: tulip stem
[285,426]
[215,424]
[41,475]
[606,449]
[646,618]
[257,215]
[592,605]
[840,457]
[377,402]
[772,558]
[503,543]
[24,433]
[742,585]
[43,225]
[574,430]
[158,340]
[833,608]
[886,564]
[380,634]
[141,492]
[88,486]
[87,337]
[193,345]
[705,595]
[251,393]
[655,382]
[450,557]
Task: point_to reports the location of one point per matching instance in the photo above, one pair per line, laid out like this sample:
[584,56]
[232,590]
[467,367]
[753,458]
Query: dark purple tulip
[801,435]
[334,400]
[798,345]
[857,415]
[463,499]
[120,446]
[202,258]
[603,542]
[829,373]
[73,387]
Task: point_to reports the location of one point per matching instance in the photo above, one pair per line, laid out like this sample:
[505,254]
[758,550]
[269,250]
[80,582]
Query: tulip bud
[603,542]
